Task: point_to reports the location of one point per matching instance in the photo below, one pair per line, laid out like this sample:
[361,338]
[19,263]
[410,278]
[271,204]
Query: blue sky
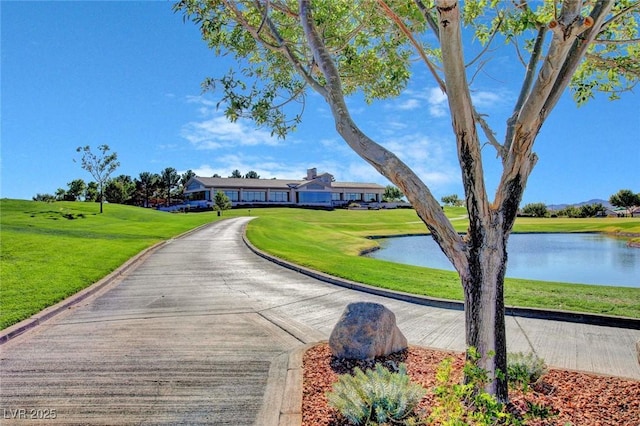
[128,74]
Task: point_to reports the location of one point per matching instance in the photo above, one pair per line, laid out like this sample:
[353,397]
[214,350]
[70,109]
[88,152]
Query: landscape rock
[366,330]
[638,350]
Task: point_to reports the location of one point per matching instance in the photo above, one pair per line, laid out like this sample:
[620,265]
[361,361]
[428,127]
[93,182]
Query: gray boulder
[365,331]
[638,350]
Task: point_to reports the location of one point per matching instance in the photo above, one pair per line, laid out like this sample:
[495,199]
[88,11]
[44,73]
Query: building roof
[285,184]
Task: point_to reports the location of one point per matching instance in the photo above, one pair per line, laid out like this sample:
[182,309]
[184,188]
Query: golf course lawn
[52,250]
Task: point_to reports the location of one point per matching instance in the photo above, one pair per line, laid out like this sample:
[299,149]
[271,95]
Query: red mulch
[576,398]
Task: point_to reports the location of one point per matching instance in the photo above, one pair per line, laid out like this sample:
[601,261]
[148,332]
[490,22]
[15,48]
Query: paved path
[200,332]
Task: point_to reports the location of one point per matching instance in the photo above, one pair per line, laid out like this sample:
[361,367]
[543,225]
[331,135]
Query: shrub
[376,396]
[524,370]
[467,404]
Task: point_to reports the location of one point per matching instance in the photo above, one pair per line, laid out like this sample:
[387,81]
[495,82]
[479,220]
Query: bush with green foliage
[535,210]
[467,404]
[524,370]
[377,396]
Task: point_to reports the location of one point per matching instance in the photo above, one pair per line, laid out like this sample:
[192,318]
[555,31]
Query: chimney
[312,174]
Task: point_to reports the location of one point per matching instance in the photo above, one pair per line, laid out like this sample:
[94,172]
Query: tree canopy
[625,198]
[392,193]
[285,48]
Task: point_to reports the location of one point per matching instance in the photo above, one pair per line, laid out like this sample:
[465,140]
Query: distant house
[623,212]
[314,190]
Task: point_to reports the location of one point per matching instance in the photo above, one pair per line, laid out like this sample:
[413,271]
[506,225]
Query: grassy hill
[52,250]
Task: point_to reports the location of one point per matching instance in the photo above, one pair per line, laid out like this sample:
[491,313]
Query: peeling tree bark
[486,255]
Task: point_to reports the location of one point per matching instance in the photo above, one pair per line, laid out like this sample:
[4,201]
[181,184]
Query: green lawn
[332,241]
[52,250]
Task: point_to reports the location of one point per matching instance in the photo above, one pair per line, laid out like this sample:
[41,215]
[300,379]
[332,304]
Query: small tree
[236,174]
[625,198]
[221,202]
[536,209]
[452,200]
[392,193]
[100,166]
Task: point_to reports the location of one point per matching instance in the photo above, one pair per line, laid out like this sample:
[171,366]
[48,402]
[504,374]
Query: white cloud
[437,101]
[486,99]
[409,104]
[204,170]
[217,132]
[200,100]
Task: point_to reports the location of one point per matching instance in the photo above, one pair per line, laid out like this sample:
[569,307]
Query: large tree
[169,179]
[336,48]
[99,165]
[146,184]
[625,198]
[76,190]
[120,190]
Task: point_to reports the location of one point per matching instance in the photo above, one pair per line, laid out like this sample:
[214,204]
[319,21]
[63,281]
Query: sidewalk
[203,331]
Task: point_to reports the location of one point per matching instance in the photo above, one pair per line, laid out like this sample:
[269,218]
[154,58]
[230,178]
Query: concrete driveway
[199,332]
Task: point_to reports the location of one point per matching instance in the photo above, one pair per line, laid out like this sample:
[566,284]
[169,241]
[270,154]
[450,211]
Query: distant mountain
[594,201]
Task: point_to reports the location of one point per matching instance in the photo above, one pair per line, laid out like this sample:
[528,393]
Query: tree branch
[396,19]
[577,52]
[462,112]
[279,47]
[565,52]
[387,163]
[526,86]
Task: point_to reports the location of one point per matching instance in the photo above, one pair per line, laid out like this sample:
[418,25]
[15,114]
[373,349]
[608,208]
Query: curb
[537,313]
[291,408]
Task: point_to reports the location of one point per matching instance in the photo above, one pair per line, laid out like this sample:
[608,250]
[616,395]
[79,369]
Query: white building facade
[314,190]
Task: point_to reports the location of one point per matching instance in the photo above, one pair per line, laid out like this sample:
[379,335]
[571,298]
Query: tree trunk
[483,286]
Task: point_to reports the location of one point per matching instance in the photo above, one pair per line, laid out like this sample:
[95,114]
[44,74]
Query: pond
[573,258]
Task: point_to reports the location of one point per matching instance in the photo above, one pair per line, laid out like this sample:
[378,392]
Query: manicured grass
[331,242]
[52,250]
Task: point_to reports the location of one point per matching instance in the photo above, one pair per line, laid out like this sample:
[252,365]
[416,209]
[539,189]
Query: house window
[254,196]
[335,196]
[231,195]
[197,196]
[370,196]
[314,197]
[279,196]
[353,196]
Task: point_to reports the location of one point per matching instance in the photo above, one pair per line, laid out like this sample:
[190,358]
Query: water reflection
[576,258]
